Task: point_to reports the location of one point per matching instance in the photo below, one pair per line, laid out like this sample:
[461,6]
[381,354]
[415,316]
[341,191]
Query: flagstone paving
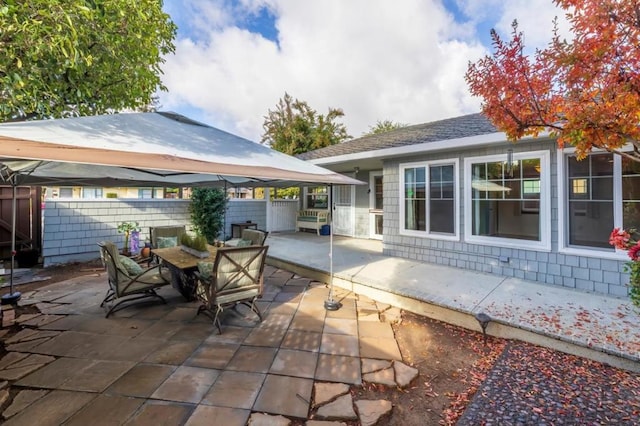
[163,364]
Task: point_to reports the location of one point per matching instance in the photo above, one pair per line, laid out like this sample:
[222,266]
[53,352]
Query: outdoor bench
[311,219]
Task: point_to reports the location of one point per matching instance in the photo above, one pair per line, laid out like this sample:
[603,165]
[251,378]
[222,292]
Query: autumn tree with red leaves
[585,92]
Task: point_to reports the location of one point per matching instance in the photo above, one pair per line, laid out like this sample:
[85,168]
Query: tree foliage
[80,57]
[383,126]
[294,127]
[585,92]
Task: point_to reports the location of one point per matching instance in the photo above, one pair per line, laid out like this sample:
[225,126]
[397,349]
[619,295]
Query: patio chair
[256,237]
[164,236]
[128,283]
[235,277]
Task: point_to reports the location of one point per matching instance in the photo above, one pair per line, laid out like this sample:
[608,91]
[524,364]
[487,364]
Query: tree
[294,127]
[80,57]
[585,92]
[383,127]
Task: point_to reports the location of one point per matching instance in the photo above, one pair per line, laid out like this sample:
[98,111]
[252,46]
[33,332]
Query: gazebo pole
[330,304]
[12,297]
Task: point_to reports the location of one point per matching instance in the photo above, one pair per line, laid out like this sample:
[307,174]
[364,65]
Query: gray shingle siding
[595,274]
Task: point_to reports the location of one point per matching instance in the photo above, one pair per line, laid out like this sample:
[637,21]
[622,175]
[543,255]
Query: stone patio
[162,364]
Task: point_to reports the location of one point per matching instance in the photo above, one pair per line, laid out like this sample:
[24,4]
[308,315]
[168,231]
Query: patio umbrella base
[11,298]
[332,305]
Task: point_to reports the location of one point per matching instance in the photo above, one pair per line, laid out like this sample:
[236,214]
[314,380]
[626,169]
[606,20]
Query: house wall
[72,228]
[587,273]
[245,209]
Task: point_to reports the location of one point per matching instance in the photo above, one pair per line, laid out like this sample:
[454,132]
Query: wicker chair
[235,278]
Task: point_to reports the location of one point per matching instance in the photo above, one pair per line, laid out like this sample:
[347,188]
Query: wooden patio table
[182,266]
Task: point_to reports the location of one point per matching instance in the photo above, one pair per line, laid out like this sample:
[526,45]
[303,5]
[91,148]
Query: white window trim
[563,195]
[456,202]
[545,203]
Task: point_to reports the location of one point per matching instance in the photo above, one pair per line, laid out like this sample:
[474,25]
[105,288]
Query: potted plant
[195,245]
[207,210]
[127,228]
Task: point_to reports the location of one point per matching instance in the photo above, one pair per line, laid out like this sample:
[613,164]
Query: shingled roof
[451,128]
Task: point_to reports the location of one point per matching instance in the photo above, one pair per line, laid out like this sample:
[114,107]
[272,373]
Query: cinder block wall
[72,228]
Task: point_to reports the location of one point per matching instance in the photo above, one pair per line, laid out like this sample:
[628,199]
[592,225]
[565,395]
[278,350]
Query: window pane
[441,216]
[602,188]
[415,218]
[578,168]
[531,168]
[512,209]
[378,194]
[435,190]
[590,223]
[447,190]
[435,173]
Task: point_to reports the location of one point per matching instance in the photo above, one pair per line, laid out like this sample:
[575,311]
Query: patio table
[183,266]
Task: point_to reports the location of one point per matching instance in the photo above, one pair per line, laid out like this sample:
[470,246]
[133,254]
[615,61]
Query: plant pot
[194,252]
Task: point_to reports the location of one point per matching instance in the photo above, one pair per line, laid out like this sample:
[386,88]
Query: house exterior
[455,192]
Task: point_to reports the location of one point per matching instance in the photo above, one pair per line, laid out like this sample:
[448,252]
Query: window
[145,192]
[630,194]
[91,192]
[506,202]
[428,202]
[317,198]
[603,192]
[590,200]
[66,192]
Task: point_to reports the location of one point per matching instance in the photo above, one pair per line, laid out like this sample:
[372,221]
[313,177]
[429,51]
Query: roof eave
[443,145]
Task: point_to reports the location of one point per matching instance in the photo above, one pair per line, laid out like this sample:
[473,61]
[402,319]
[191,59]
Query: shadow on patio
[157,362]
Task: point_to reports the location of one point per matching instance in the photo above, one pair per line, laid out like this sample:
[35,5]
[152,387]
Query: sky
[398,60]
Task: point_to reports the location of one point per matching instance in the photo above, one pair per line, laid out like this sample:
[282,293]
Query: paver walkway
[162,364]
[565,319]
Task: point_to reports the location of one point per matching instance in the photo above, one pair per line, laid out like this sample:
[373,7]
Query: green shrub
[196,242]
[207,210]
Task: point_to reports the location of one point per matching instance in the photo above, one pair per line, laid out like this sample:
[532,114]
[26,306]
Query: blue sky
[400,60]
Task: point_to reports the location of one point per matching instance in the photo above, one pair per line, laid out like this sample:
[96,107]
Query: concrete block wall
[585,273]
[242,210]
[72,228]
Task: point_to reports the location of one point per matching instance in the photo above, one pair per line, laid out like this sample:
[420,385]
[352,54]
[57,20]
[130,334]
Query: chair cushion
[244,243]
[130,265]
[205,269]
[166,242]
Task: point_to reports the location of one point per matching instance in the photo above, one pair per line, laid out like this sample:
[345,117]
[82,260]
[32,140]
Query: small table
[182,266]
[240,226]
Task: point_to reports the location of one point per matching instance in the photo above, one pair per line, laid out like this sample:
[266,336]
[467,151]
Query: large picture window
[429,198]
[507,199]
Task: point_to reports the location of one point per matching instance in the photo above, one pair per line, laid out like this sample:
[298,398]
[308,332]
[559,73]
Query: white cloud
[398,60]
